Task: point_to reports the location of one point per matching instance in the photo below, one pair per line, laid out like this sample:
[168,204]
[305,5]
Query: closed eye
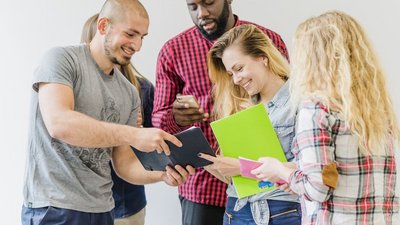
[129,34]
[210,2]
[238,68]
[192,7]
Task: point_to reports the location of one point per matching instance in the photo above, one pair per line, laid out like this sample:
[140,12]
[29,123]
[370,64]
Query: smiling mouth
[128,51]
[246,85]
[208,25]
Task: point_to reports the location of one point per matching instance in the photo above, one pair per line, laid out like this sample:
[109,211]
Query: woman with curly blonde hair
[346,130]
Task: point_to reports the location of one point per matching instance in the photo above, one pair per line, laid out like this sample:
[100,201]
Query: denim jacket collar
[281,97]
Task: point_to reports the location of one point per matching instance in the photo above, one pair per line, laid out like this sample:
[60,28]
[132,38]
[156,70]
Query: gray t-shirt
[61,175]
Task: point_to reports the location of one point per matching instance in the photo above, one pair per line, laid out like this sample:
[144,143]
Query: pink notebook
[247,165]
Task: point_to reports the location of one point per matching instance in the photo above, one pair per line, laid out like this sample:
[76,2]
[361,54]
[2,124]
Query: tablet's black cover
[193,141]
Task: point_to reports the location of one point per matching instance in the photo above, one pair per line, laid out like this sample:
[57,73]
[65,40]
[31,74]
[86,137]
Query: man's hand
[150,139]
[177,176]
[184,115]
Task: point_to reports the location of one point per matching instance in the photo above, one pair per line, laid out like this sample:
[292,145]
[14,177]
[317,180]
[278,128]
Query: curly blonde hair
[228,97]
[334,62]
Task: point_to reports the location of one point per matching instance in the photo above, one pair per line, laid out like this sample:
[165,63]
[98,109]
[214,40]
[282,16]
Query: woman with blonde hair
[130,199]
[346,130]
[245,69]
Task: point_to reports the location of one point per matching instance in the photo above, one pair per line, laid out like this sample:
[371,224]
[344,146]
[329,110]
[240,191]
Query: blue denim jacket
[283,122]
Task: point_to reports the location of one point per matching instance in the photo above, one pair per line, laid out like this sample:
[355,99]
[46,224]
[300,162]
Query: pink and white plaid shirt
[367,192]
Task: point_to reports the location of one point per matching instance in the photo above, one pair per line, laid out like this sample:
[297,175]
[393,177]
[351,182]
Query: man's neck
[98,54]
[231,22]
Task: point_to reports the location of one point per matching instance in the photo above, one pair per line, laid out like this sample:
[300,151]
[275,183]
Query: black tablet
[193,143]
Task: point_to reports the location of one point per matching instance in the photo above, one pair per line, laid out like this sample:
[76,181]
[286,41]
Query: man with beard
[182,69]
[83,116]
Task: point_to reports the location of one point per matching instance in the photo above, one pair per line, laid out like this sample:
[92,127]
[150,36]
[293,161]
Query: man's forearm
[80,130]
[141,177]
[128,167]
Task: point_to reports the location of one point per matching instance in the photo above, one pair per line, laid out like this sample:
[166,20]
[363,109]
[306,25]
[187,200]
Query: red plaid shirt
[182,68]
[367,191]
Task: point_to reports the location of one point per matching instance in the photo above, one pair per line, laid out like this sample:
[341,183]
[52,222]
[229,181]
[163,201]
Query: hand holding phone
[188,99]
[186,111]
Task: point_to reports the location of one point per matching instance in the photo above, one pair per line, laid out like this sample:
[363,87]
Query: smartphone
[189,99]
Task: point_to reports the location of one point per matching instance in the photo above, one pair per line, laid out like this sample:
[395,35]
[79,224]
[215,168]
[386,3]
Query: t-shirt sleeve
[56,66]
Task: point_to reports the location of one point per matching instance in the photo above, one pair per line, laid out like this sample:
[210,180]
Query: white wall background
[29,27]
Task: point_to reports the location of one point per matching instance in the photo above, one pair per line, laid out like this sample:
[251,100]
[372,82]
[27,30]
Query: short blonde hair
[334,62]
[228,97]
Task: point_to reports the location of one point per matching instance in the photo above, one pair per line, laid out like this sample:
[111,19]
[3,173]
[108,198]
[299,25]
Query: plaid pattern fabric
[366,193]
[182,68]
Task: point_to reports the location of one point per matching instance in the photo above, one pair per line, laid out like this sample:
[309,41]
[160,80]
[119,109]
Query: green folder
[248,134]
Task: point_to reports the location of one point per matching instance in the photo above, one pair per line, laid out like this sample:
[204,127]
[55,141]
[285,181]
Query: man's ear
[102,25]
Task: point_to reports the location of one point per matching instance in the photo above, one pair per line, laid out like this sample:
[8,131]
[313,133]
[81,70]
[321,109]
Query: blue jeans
[58,216]
[281,213]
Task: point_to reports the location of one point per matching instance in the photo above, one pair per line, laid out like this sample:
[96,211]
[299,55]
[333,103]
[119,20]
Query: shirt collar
[281,97]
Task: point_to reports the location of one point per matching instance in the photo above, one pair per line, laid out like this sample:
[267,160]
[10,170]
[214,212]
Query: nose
[202,12]
[136,44]
[236,78]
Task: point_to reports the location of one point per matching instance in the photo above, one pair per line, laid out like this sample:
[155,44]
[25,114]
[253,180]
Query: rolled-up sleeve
[313,147]
[168,84]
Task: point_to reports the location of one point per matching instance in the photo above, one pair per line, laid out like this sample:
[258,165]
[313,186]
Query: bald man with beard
[83,114]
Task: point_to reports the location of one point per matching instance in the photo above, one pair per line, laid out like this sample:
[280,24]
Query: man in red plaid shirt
[182,69]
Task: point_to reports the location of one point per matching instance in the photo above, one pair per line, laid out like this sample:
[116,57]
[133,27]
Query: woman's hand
[273,170]
[284,187]
[226,166]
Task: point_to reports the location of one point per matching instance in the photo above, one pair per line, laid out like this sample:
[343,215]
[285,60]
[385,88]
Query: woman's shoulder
[313,104]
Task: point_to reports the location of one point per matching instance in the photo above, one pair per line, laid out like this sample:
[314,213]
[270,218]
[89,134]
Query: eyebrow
[137,32]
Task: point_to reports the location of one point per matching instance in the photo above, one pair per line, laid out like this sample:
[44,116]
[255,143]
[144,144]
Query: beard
[108,49]
[221,23]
